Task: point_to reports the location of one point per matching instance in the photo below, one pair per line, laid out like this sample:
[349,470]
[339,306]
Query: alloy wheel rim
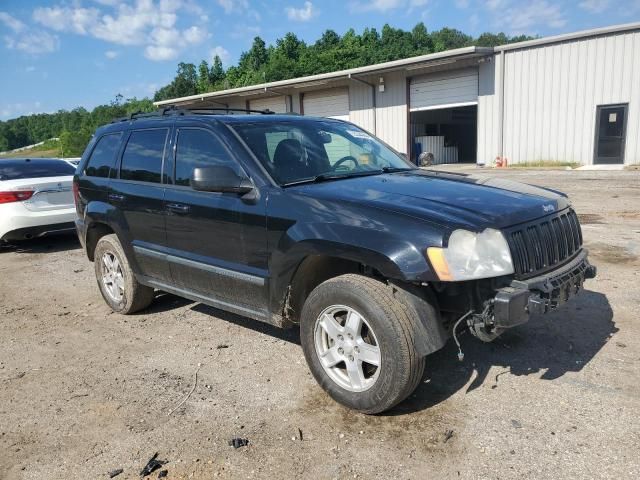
[347,348]
[112,277]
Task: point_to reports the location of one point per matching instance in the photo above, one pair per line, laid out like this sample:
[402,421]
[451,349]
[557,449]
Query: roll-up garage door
[454,88]
[332,103]
[275,104]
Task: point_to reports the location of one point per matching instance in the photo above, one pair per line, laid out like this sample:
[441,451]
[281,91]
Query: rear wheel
[117,283]
[358,340]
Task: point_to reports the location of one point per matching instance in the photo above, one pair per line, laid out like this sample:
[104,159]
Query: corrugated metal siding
[441,89]
[435,145]
[275,104]
[551,94]
[361,106]
[333,103]
[391,111]
[488,111]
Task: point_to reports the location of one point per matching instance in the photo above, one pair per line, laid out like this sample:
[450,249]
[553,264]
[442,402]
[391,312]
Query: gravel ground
[84,391]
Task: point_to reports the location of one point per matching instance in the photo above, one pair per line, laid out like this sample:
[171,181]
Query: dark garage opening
[449,134]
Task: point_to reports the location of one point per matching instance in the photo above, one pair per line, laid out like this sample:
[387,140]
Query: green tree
[422,42]
[73,144]
[449,39]
[216,74]
[203,77]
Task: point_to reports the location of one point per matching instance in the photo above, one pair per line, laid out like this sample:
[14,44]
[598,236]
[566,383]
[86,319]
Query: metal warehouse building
[568,98]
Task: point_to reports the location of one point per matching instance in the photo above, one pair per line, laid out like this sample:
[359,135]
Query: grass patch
[544,164]
[49,149]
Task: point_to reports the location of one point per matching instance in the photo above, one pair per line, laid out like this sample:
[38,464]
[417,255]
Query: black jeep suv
[313,222]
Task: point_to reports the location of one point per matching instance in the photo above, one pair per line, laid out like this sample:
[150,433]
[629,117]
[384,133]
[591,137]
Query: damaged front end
[513,304]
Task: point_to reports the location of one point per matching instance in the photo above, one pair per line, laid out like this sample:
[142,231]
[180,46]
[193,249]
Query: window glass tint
[142,157]
[103,156]
[301,149]
[199,148]
[19,169]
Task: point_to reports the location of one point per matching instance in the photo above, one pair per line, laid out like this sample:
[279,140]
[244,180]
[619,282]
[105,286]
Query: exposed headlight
[472,255]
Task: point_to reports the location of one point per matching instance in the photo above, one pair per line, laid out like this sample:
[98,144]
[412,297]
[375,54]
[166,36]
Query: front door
[216,241]
[610,134]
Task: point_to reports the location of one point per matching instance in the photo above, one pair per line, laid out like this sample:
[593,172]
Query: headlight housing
[471,256]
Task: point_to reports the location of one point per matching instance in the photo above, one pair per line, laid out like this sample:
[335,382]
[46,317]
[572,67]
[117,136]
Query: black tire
[393,325]
[135,296]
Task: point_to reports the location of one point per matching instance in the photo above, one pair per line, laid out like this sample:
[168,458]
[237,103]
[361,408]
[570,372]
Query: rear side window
[142,157]
[19,169]
[199,148]
[103,156]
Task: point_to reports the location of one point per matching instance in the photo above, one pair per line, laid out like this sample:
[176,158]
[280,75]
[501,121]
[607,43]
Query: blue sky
[69,53]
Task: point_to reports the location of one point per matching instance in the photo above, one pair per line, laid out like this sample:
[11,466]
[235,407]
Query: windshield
[34,168]
[301,150]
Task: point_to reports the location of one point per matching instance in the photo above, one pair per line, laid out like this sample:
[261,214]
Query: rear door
[217,241]
[611,129]
[138,194]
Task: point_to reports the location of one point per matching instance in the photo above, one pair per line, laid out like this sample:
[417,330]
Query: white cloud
[111,54]
[147,23]
[230,6]
[30,69]
[595,6]
[159,53]
[496,4]
[536,13]
[11,22]
[384,6]
[77,20]
[222,52]
[194,35]
[33,42]
[14,110]
[462,4]
[303,14]
[245,31]
[378,5]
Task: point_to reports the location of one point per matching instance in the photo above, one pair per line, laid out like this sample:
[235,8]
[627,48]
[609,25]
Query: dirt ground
[84,391]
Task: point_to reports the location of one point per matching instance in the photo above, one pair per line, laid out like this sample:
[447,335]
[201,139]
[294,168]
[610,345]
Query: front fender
[394,256]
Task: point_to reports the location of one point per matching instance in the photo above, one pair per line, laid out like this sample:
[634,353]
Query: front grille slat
[541,245]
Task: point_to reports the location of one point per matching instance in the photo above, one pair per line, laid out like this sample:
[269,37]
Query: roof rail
[172,110]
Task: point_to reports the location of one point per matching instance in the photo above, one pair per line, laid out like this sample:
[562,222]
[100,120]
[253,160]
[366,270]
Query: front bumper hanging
[514,304]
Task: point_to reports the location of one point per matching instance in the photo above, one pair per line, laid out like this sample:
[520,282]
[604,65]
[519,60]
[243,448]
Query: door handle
[178,207]
[116,197]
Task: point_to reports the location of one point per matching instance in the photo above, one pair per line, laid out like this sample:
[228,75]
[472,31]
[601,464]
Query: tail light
[15,196]
[76,192]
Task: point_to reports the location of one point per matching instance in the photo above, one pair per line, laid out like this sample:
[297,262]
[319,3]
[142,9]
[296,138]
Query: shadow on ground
[549,346]
[53,244]
[291,335]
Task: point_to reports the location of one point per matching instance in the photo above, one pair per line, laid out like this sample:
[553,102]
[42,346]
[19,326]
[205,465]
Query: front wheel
[358,340]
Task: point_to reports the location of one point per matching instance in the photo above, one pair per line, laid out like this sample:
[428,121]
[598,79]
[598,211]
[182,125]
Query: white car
[36,198]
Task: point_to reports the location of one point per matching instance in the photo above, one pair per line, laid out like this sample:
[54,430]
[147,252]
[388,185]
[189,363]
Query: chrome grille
[539,246]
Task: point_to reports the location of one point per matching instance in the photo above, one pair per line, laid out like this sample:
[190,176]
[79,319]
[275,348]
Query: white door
[455,88]
[332,103]
[275,104]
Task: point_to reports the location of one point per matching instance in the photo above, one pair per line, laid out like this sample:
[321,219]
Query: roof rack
[172,110]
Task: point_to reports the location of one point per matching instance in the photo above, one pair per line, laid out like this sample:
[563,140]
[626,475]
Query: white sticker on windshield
[357,134]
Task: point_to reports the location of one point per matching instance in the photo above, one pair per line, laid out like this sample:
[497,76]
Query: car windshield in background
[34,168]
[295,151]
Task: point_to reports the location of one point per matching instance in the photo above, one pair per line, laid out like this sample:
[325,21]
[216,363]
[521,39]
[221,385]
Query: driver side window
[197,148]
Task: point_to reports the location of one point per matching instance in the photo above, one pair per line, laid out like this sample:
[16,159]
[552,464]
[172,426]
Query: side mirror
[219,179]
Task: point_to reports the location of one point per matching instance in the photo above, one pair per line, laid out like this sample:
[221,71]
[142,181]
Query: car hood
[455,200]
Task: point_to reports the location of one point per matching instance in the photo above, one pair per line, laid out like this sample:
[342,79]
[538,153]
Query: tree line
[289,57]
